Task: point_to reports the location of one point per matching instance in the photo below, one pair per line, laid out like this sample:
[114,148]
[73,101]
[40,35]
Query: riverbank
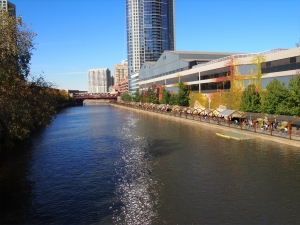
[68,104]
[96,101]
[216,128]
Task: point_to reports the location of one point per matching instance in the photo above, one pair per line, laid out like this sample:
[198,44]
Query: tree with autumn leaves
[26,102]
[251,97]
[275,99]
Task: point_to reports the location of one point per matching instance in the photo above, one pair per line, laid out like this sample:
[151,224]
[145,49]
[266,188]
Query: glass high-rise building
[150,31]
[8,6]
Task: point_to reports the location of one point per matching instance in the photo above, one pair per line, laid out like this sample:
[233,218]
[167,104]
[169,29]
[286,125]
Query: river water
[99,164]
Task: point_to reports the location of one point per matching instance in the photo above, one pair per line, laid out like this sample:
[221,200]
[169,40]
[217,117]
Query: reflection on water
[136,189]
[106,165]
[15,188]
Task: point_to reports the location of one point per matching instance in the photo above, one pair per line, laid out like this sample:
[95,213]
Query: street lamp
[209,101]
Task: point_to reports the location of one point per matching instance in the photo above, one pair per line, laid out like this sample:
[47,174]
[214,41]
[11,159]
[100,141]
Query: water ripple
[137,190]
[105,165]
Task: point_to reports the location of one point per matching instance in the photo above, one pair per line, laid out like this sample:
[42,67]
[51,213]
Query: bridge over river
[80,97]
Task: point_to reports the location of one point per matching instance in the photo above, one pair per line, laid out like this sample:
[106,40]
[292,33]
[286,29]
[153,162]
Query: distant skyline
[74,36]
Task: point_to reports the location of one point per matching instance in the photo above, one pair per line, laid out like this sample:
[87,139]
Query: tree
[126,97]
[183,94]
[16,47]
[165,96]
[26,103]
[137,96]
[274,99]
[233,97]
[250,101]
[173,99]
[152,95]
[293,99]
[257,61]
[62,96]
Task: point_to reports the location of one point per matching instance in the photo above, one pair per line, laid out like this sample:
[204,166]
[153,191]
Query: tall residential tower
[99,80]
[8,6]
[120,72]
[150,31]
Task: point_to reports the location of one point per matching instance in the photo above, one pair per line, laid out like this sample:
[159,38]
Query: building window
[292,59]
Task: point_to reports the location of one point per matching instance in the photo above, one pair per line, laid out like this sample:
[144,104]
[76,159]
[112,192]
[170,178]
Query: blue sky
[74,36]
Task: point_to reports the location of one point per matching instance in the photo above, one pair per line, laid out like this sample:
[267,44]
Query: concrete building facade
[124,85]
[282,64]
[99,80]
[150,31]
[175,62]
[120,72]
[134,81]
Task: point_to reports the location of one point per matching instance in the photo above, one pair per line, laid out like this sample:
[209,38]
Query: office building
[134,81]
[120,72]
[175,62]
[150,31]
[8,7]
[124,85]
[211,76]
[99,80]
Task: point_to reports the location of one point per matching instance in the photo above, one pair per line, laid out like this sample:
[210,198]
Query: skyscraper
[120,72]
[8,6]
[150,31]
[99,80]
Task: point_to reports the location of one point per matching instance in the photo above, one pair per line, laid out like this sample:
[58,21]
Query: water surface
[102,165]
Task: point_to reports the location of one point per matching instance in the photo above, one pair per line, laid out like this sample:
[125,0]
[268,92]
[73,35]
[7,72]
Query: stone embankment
[177,114]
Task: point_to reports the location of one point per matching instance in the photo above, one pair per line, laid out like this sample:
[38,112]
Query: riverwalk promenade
[223,131]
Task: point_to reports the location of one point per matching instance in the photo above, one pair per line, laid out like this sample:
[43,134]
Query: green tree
[152,95]
[274,98]
[165,96]
[126,97]
[183,94]
[173,99]
[137,96]
[250,101]
[293,99]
